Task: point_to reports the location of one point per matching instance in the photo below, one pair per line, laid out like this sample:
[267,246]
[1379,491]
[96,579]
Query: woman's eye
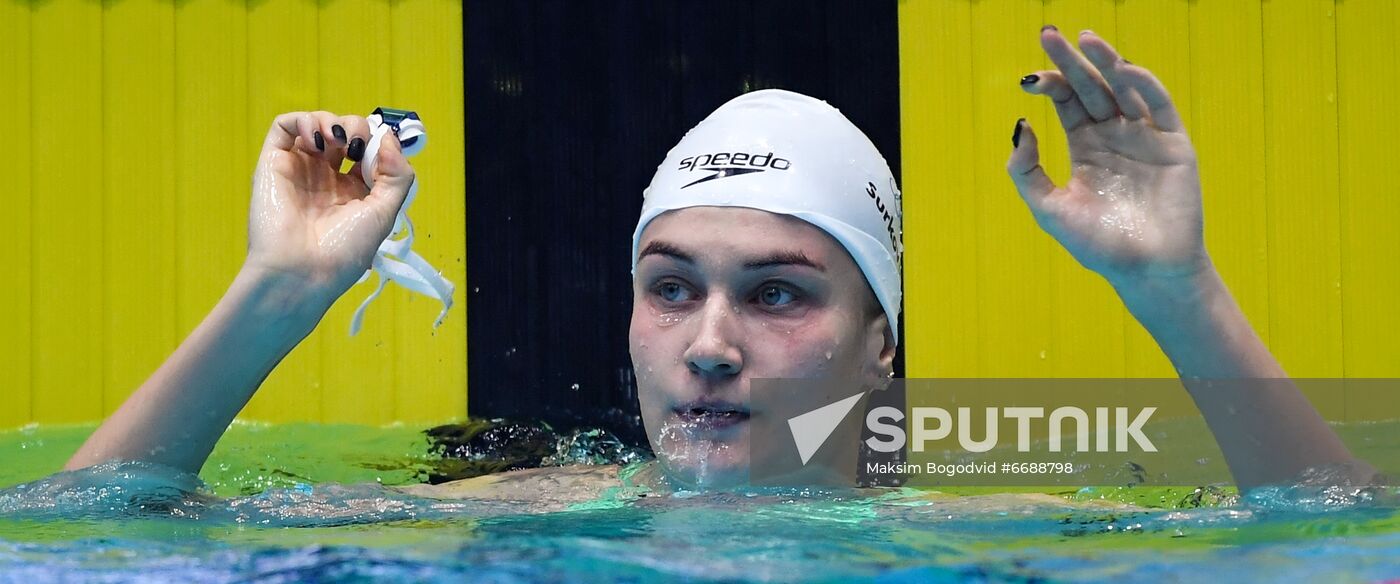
[776,296]
[672,292]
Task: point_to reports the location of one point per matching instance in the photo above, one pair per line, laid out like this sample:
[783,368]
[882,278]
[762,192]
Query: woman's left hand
[1131,209]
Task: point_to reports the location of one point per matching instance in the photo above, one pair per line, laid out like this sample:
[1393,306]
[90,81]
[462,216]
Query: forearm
[1267,429]
[179,413]
[1200,327]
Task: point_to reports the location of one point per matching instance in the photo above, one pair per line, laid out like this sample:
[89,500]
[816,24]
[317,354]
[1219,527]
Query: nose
[713,352]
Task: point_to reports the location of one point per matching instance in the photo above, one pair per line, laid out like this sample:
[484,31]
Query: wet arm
[177,415]
[311,235]
[1127,140]
[1268,431]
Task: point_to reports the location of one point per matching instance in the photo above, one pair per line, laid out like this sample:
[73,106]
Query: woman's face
[725,295]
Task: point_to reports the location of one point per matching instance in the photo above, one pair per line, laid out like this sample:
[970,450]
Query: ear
[879,346]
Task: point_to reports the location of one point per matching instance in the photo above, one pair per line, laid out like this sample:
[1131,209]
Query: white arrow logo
[810,430]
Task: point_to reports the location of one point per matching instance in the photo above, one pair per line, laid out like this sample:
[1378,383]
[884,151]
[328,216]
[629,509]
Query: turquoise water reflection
[141,523]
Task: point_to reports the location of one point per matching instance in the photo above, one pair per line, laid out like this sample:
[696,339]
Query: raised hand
[312,232]
[1132,206]
[309,221]
[1131,211]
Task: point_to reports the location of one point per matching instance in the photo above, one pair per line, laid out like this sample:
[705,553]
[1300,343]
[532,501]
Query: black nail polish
[1049,27]
[1030,79]
[356,150]
[320,141]
[339,132]
[1016,135]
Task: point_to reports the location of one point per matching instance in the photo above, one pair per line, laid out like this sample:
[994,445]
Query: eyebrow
[781,258]
[665,249]
[784,258]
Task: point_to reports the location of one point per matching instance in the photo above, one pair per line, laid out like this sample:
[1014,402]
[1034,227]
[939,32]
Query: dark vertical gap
[570,107]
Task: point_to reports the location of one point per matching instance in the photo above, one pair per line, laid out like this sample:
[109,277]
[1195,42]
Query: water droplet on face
[670,318]
[828,355]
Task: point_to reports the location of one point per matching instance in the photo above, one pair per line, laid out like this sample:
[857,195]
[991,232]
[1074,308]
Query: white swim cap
[787,153]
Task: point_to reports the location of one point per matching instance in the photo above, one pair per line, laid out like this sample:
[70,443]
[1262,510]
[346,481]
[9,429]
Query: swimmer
[784,263]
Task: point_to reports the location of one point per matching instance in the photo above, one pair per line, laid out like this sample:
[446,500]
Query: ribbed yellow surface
[1290,105]
[138,123]
[133,126]
[16,319]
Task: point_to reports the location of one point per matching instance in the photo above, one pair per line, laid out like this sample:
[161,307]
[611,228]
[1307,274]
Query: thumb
[1024,167]
[393,176]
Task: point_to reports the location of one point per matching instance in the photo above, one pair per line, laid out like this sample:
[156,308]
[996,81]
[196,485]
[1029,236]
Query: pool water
[272,510]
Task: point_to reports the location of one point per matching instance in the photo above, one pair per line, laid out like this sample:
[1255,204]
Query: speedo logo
[727,164]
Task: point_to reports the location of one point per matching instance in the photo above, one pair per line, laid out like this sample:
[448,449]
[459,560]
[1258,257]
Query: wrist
[1146,295]
[293,303]
[1199,326]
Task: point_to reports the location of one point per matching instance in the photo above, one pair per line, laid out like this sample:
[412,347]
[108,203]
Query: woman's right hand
[1131,209]
[308,222]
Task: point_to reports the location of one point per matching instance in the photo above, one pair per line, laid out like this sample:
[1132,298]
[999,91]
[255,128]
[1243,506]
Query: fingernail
[1049,27]
[1127,61]
[339,132]
[1016,135]
[1030,79]
[1086,31]
[356,150]
[320,141]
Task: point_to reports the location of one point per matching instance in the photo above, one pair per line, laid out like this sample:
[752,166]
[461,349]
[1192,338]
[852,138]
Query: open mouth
[711,415]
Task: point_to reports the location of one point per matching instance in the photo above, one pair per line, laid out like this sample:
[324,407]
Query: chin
[704,459]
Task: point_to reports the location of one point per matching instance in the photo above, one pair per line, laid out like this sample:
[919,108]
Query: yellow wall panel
[67,211]
[430,367]
[1367,101]
[1227,114]
[940,278]
[1156,35]
[15,295]
[283,62]
[1285,102]
[1300,105]
[1087,320]
[213,158]
[154,110]
[354,79]
[1013,256]
[138,94]
[136,195]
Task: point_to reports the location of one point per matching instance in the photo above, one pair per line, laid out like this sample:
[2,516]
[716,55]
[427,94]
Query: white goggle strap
[395,260]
